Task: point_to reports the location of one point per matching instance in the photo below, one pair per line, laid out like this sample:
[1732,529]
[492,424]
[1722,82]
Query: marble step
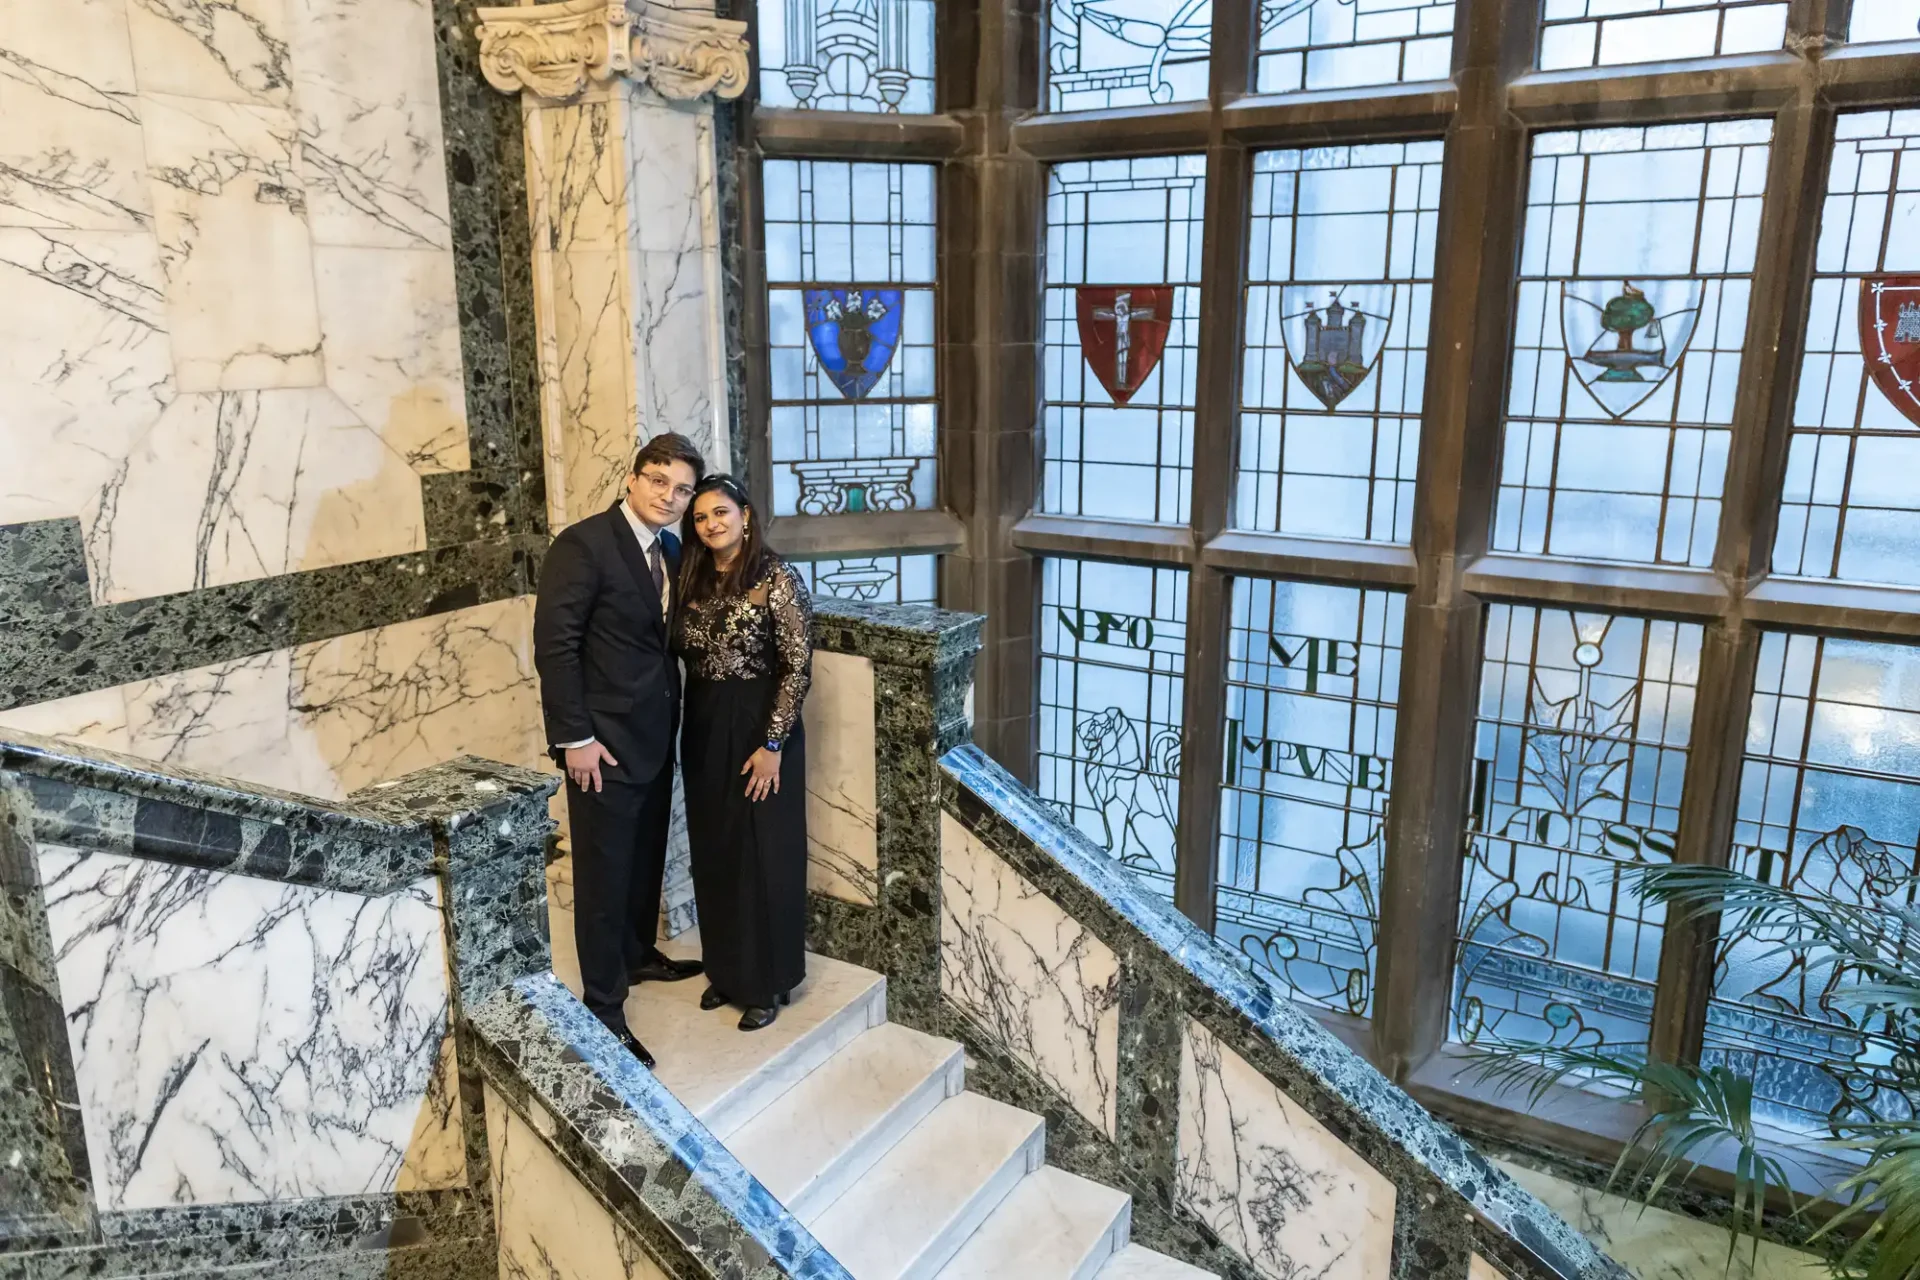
[1053,1226]
[1138,1263]
[815,1141]
[908,1215]
[726,1076]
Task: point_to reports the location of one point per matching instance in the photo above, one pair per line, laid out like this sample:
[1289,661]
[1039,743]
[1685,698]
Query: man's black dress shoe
[712,998]
[659,968]
[633,1046]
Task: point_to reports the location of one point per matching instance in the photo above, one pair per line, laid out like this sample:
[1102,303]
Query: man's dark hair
[670,446]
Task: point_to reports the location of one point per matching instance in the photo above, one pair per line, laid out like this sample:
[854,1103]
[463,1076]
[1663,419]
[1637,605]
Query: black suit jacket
[600,642]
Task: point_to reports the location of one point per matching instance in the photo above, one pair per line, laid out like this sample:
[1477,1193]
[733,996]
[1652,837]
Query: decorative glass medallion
[1113,644]
[1313,674]
[1126,53]
[1629,318]
[847,55]
[850,329]
[1829,804]
[1345,44]
[1604,33]
[1851,502]
[874,579]
[1580,754]
[1340,270]
[1121,334]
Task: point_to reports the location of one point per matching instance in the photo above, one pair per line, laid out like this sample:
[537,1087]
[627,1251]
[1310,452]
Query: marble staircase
[865,1130]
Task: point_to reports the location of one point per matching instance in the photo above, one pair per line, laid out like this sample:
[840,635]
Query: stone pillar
[621,181]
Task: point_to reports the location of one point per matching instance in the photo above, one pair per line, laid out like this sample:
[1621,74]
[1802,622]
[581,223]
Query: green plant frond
[1537,1068]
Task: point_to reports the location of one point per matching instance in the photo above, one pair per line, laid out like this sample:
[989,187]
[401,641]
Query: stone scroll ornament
[1123,331]
[1890,339]
[557,50]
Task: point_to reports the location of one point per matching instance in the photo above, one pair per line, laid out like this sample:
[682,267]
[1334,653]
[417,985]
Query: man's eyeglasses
[661,485]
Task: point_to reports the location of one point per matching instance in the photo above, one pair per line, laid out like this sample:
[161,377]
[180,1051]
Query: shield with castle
[1335,336]
[1624,340]
[1890,339]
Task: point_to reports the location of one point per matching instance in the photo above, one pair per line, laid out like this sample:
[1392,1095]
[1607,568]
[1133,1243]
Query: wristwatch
[773,744]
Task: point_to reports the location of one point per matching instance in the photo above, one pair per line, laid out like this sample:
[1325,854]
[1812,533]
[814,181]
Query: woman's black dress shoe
[712,998]
[759,1016]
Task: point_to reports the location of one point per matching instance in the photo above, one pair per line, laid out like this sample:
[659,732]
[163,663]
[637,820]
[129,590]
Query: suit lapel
[636,561]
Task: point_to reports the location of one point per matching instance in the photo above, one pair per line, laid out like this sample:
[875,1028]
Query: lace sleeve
[792,612]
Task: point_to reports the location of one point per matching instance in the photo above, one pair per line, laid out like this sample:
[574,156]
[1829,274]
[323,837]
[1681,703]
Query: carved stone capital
[556,50]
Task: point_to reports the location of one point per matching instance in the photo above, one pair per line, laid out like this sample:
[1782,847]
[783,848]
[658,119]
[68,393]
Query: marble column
[617,97]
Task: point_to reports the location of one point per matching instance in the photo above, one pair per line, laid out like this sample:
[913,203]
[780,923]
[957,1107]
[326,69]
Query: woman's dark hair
[700,577]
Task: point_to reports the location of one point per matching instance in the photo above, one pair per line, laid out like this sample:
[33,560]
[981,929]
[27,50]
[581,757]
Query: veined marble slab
[549,1224]
[1269,1179]
[843,860]
[1036,980]
[237,1039]
[227,50]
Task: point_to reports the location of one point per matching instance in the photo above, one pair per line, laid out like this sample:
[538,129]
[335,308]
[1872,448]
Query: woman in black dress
[743,627]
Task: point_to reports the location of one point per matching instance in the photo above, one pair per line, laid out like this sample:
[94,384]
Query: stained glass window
[1113,643]
[1342,44]
[847,55]
[1829,804]
[1851,505]
[1630,313]
[850,335]
[1313,672]
[1126,53]
[1121,335]
[1580,752]
[1341,265]
[1599,33]
[874,579]
[1884,20]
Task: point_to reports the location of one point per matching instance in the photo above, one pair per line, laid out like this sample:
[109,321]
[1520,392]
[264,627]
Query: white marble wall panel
[1655,1244]
[1034,979]
[328,718]
[241,1040]
[243,201]
[231,213]
[843,859]
[551,1227]
[1269,1179]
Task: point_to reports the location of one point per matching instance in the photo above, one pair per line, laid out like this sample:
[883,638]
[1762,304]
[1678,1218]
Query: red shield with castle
[1890,339]
[1123,330]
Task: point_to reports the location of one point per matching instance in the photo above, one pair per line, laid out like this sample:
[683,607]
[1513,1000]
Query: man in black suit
[610,689]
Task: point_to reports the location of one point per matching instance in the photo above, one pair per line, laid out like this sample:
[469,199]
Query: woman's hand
[763,770]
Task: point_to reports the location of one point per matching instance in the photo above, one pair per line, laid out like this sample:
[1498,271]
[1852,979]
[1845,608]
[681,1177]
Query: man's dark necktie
[658,563]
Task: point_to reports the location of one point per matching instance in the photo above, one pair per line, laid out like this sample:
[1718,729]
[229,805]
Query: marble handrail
[1452,1203]
[555,1075]
[376,841]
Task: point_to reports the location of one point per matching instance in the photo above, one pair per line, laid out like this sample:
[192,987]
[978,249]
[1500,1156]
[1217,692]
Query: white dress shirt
[645,532]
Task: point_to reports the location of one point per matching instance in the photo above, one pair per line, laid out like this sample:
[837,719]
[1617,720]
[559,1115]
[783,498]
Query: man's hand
[583,765]
[763,770]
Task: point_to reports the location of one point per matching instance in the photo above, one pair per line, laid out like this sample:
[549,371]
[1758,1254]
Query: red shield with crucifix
[1123,330]
[1890,339]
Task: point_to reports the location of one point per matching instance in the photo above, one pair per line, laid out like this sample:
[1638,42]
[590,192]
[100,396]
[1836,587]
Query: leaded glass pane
[850,335]
[1313,674]
[1884,20]
[1113,643]
[847,55]
[1851,503]
[1343,44]
[1829,806]
[1121,336]
[1601,33]
[874,579]
[1126,53]
[1341,272]
[1580,752]
[1630,313]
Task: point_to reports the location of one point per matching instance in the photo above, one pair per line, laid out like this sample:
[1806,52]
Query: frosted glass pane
[847,55]
[1588,33]
[874,579]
